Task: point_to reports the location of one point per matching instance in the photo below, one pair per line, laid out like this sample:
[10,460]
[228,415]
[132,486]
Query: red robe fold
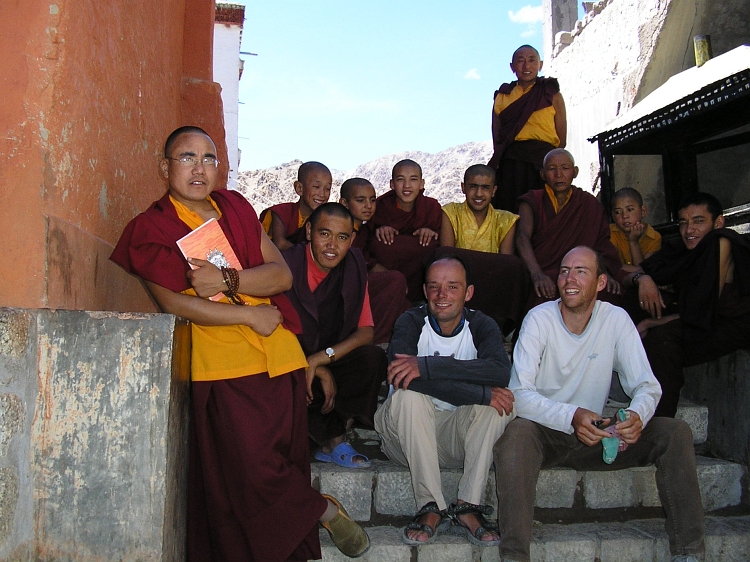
[387,289]
[507,125]
[581,222]
[148,245]
[406,254]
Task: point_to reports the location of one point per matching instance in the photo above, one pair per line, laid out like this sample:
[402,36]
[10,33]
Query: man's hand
[613,286]
[649,296]
[386,234]
[636,231]
[630,429]
[426,235]
[402,371]
[206,279]
[502,400]
[586,431]
[544,286]
[265,318]
[328,384]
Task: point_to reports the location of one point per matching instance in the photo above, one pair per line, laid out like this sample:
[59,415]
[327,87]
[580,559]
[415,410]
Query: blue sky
[347,81]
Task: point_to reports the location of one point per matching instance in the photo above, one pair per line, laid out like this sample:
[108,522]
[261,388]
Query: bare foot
[430,519]
[472,521]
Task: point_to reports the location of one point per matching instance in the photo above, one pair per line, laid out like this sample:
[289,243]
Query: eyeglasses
[192,162]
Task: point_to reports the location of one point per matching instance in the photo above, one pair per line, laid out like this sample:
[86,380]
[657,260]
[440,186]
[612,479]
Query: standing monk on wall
[528,120]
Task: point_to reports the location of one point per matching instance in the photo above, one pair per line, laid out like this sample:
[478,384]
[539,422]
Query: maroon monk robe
[387,290]
[581,222]
[406,254]
[288,213]
[507,125]
[249,493]
[501,284]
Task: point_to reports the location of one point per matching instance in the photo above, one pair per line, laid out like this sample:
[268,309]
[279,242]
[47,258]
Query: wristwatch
[331,354]
[635,278]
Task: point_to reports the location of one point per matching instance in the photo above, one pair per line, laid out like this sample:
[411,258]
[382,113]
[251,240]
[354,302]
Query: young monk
[634,239]
[284,222]
[406,225]
[475,224]
[387,287]
[485,240]
[528,120]
[249,493]
[710,269]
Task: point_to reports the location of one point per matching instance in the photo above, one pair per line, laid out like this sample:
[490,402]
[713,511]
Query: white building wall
[227,39]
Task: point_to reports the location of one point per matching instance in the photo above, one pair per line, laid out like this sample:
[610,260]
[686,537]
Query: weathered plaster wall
[93,435]
[90,91]
[625,49]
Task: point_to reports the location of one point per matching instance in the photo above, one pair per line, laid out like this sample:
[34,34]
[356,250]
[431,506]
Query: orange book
[208,242]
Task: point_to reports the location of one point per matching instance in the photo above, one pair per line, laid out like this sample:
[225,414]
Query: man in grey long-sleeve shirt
[563,363]
[448,403]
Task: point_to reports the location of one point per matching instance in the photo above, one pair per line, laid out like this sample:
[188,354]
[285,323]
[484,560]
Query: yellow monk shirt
[230,352]
[541,123]
[649,242]
[268,219]
[484,238]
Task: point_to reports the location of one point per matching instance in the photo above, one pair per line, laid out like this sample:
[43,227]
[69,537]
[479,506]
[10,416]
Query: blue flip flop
[343,455]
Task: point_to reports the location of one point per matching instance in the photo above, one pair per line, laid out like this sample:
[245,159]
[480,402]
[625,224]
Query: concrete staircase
[596,516]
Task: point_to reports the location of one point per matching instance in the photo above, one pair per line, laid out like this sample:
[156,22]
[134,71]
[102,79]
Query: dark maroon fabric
[359,375]
[331,313]
[288,213]
[249,493]
[512,119]
[406,254]
[426,213]
[581,222]
[409,257]
[514,178]
[148,245]
[695,274]
[387,300]
[501,284]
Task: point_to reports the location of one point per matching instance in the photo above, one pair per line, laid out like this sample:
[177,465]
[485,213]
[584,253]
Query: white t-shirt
[556,371]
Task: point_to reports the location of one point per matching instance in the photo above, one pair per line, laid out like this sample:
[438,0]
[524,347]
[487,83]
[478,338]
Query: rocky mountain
[443,173]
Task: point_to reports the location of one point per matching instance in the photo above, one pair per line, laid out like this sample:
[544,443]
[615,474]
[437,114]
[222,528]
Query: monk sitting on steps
[406,225]
[558,218]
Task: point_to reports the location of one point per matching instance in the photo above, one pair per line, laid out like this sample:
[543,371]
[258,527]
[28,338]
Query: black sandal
[458,528]
[431,533]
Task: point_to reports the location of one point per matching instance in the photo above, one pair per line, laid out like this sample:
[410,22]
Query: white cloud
[472,75]
[528,15]
[530,32]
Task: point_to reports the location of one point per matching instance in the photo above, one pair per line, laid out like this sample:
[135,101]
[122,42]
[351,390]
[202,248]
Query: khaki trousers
[417,435]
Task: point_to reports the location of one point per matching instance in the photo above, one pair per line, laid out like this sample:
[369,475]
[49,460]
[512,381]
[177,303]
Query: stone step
[385,488]
[727,540]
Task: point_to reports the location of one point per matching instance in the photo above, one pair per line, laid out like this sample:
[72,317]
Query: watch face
[329,351]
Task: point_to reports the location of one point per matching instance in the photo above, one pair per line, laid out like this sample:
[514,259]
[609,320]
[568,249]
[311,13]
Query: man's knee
[520,435]
[670,431]
[410,402]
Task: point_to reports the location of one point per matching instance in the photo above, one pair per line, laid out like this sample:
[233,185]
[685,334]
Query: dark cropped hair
[331,210]
[701,198]
[350,184]
[171,139]
[451,257]
[628,193]
[406,163]
[525,47]
[308,167]
[479,170]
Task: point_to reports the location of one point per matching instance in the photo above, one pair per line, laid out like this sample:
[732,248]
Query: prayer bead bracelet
[232,281]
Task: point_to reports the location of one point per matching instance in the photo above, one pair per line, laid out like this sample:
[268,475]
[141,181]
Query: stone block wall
[93,435]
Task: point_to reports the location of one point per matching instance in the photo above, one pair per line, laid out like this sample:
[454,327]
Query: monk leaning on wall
[249,493]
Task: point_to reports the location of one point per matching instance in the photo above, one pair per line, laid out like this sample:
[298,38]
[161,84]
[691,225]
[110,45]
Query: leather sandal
[431,533]
[458,528]
[348,536]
